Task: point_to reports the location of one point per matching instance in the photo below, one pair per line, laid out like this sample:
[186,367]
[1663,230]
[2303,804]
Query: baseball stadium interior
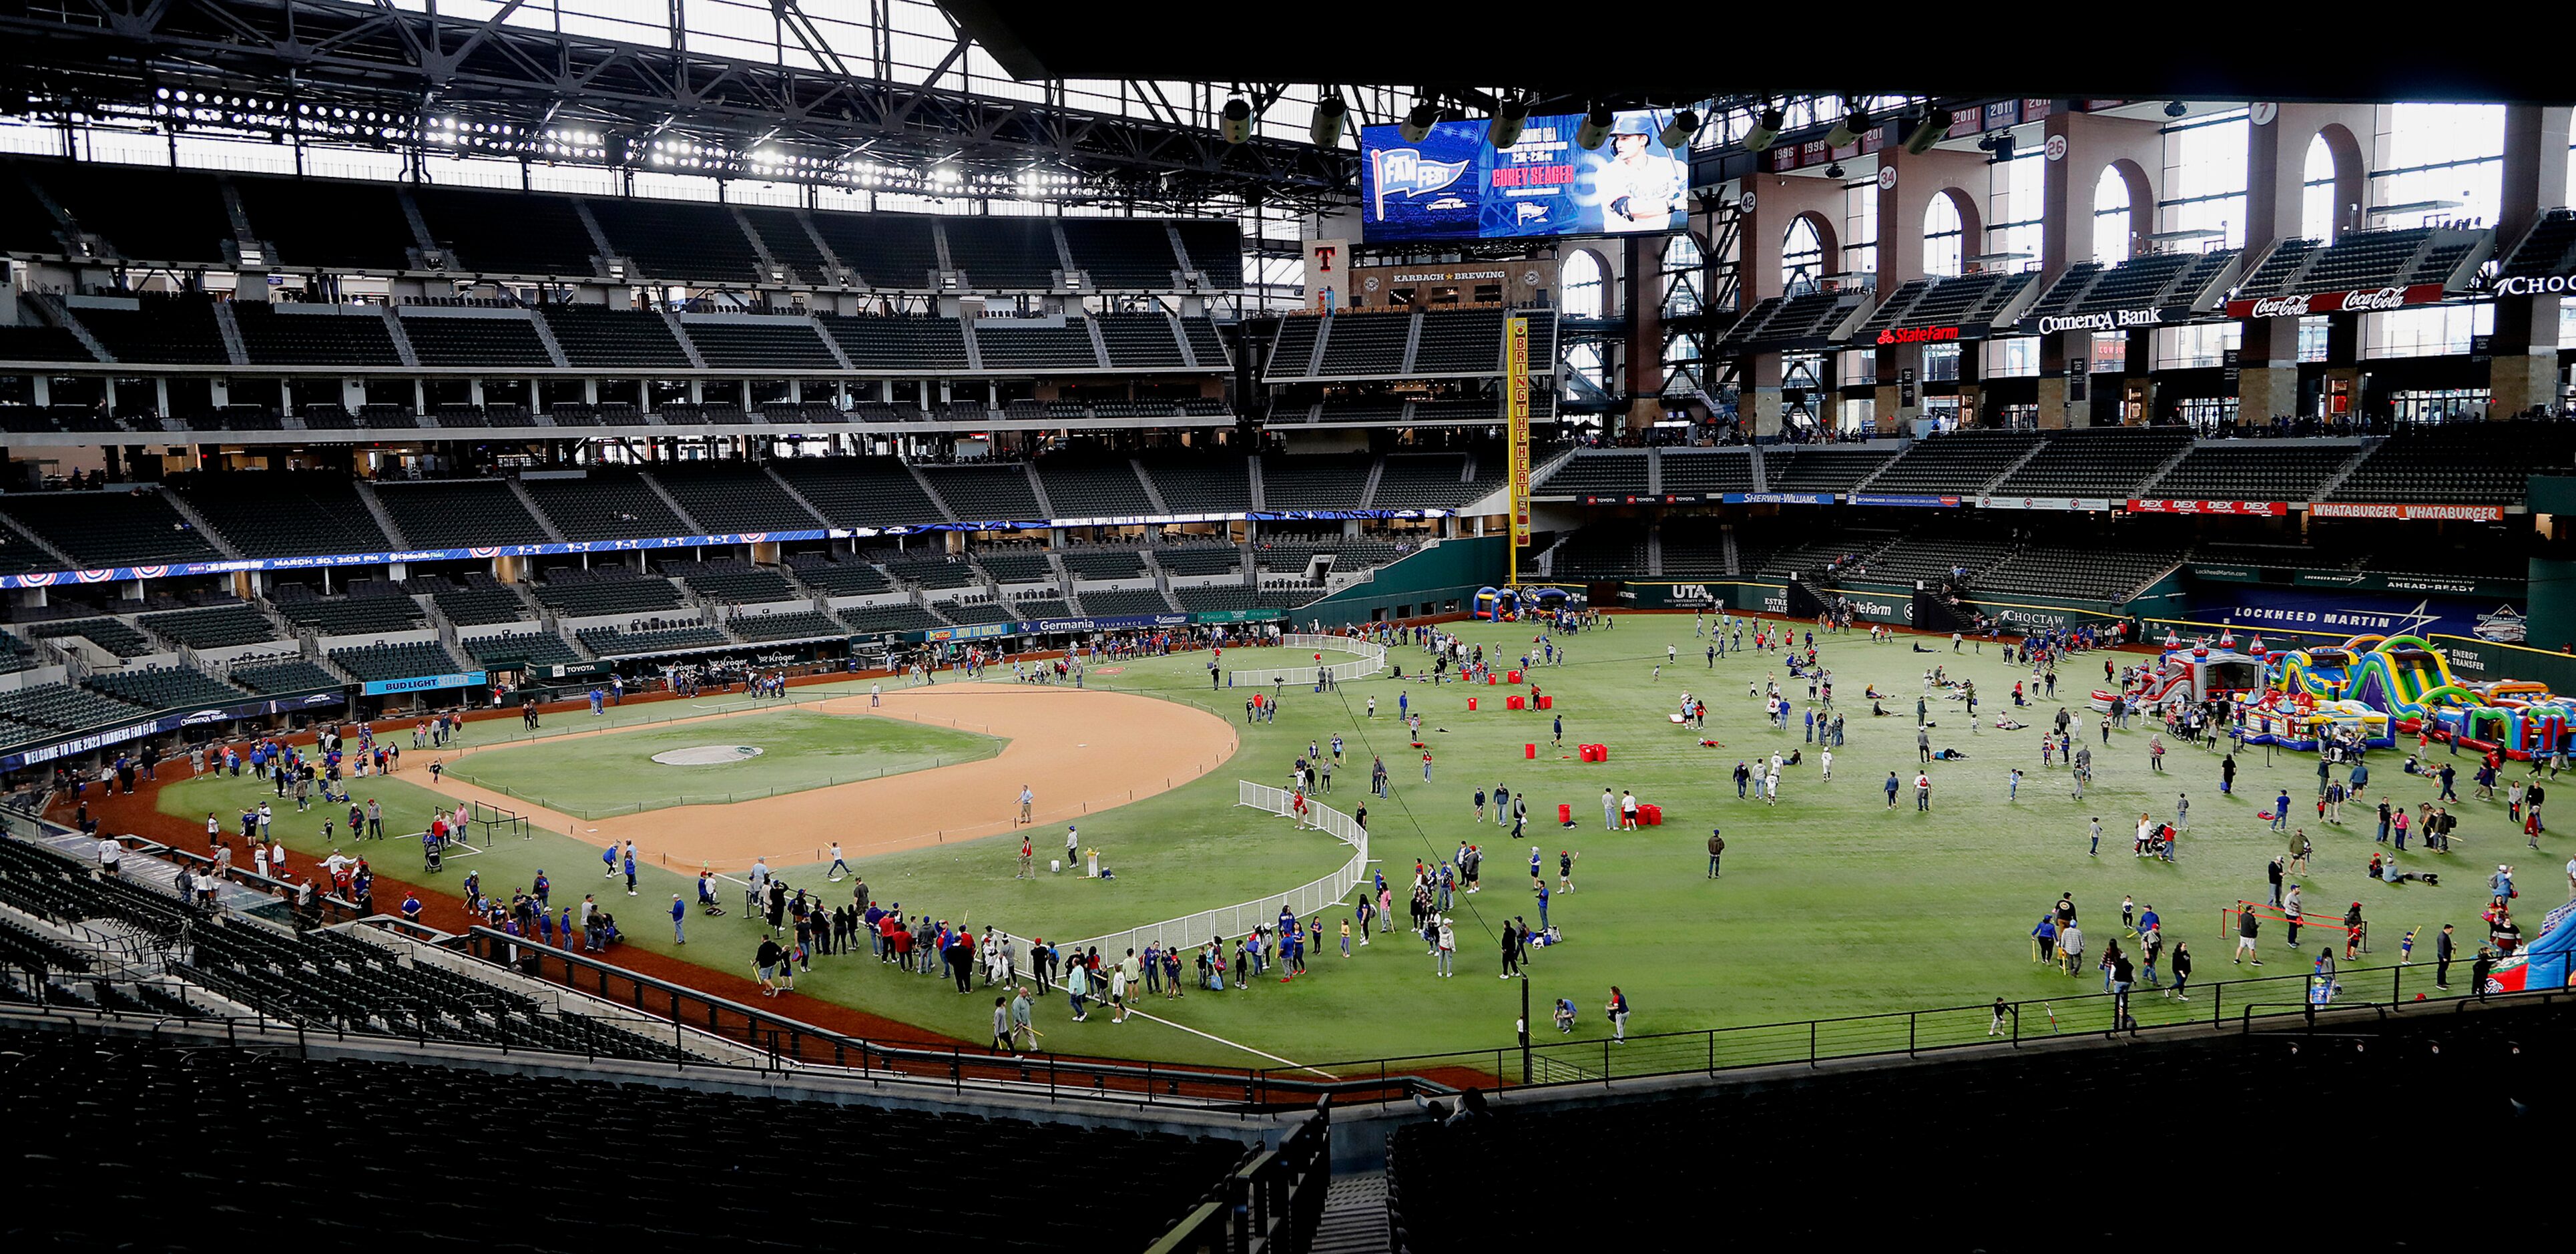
[369,363]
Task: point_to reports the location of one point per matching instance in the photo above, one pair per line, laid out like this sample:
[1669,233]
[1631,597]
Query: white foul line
[1236,1044]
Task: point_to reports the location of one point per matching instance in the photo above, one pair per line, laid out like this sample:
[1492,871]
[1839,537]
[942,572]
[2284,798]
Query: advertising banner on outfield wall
[2351,612]
[423,683]
[2274,509]
[1905,500]
[2416,513]
[2043,502]
[1773,498]
[169,722]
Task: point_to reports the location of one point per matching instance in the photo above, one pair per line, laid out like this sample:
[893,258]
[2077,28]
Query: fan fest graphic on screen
[1454,185]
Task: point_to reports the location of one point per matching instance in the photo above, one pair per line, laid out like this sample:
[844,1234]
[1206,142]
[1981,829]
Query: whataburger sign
[2359,300]
[2421,513]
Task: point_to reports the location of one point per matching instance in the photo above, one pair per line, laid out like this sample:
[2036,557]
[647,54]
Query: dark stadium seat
[459,513]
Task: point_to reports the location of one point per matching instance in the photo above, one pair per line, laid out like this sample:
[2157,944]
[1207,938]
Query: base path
[1079,750]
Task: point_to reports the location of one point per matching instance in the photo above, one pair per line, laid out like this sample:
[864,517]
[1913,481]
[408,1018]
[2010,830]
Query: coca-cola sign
[2357,300]
[1917,335]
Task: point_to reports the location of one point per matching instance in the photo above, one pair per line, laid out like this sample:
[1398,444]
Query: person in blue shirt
[411,907]
[1542,906]
[630,868]
[2281,812]
[679,911]
[608,858]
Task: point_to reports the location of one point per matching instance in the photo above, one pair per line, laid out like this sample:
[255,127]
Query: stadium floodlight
[1848,131]
[1766,128]
[1595,128]
[1511,113]
[1928,130]
[1416,125]
[1236,123]
[1326,129]
[1677,133]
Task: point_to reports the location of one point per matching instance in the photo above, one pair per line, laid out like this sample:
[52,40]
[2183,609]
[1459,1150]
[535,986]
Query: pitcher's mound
[706,755]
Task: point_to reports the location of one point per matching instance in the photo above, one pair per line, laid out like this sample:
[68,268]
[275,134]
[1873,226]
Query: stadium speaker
[1766,128]
[1510,114]
[1677,132]
[1595,130]
[2176,108]
[1236,123]
[1927,131]
[1417,124]
[1326,129]
[1848,131]
[1834,171]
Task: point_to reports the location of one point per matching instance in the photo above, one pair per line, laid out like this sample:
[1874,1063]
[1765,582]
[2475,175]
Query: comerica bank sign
[2100,320]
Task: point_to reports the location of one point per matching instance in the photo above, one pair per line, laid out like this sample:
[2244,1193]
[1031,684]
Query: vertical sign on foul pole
[1516,391]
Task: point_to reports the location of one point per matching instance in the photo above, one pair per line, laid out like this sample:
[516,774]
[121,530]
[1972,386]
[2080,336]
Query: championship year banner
[1516,384]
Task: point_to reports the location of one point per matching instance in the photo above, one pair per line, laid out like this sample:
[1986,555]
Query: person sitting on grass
[1564,1014]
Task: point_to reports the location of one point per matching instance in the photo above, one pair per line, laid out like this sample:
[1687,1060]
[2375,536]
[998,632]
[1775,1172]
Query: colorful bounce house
[2409,679]
[2275,713]
[1500,605]
[2546,963]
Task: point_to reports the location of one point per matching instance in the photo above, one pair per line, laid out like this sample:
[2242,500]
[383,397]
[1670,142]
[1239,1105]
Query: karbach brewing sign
[2360,300]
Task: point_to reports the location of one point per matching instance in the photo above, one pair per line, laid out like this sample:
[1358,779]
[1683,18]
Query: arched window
[2318,213]
[1683,275]
[2111,218]
[1944,238]
[1802,256]
[1586,290]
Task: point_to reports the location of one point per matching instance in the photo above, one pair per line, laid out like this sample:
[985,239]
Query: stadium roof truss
[382,76]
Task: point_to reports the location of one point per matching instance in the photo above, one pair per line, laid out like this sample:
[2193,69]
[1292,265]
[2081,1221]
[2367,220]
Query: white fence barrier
[1371,660]
[1232,923]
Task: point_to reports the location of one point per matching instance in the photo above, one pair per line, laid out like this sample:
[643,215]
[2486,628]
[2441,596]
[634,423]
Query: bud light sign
[1454,184]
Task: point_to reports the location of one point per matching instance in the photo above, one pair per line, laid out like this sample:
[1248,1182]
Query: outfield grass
[598,776]
[1831,904]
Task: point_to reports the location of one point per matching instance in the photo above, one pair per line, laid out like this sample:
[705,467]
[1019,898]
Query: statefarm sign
[2270,508]
[2419,513]
[1916,335]
[2361,300]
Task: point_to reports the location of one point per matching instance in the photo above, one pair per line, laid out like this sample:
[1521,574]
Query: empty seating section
[2106,462]
[605,504]
[1089,489]
[41,344]
[594,335]
[407,660]
[507,232]
[2253,470]
[1380,410]
[1017,567]
[1968,299]
[2272,278]
[932,571]
[353,335]
[1205,344]
[529,648]
[1931,555]
[1693,548]
[163,687]
[346,616]
[2109,571]
[898,344]
[602,590]
[840,577]
[2356,259]
[15,654]
[57,707]
[1803,553]
[1121,252]
[1426,481]
[217,628]
[1358,344]
[1200,559]
[1294,554]
[887,250]
[1891,310]
[1603,551]
[1141,342]
[145,214]
[1015,344]
[458,513]
[285,513]
[861,491]
[1216,248]
[1802,321]
[318,222]
[109,528]
[677,239]
[873,619]
[26,225]
[783,233]
[2549,249]
[1819,469]
[784,625]
[1119,602]
[1104,564]
[485,343]
[769,344]
[1004,252]
[1957,462]
[2475,463]
[1706,470]
[161,330]
[1597,472]
[480,602]
[1292,349]
[110,634]
[1031,609]
[1468,341]
[1320,482]
[734,581]
[292,675]
[733,497]
[986,493]
[968,613]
